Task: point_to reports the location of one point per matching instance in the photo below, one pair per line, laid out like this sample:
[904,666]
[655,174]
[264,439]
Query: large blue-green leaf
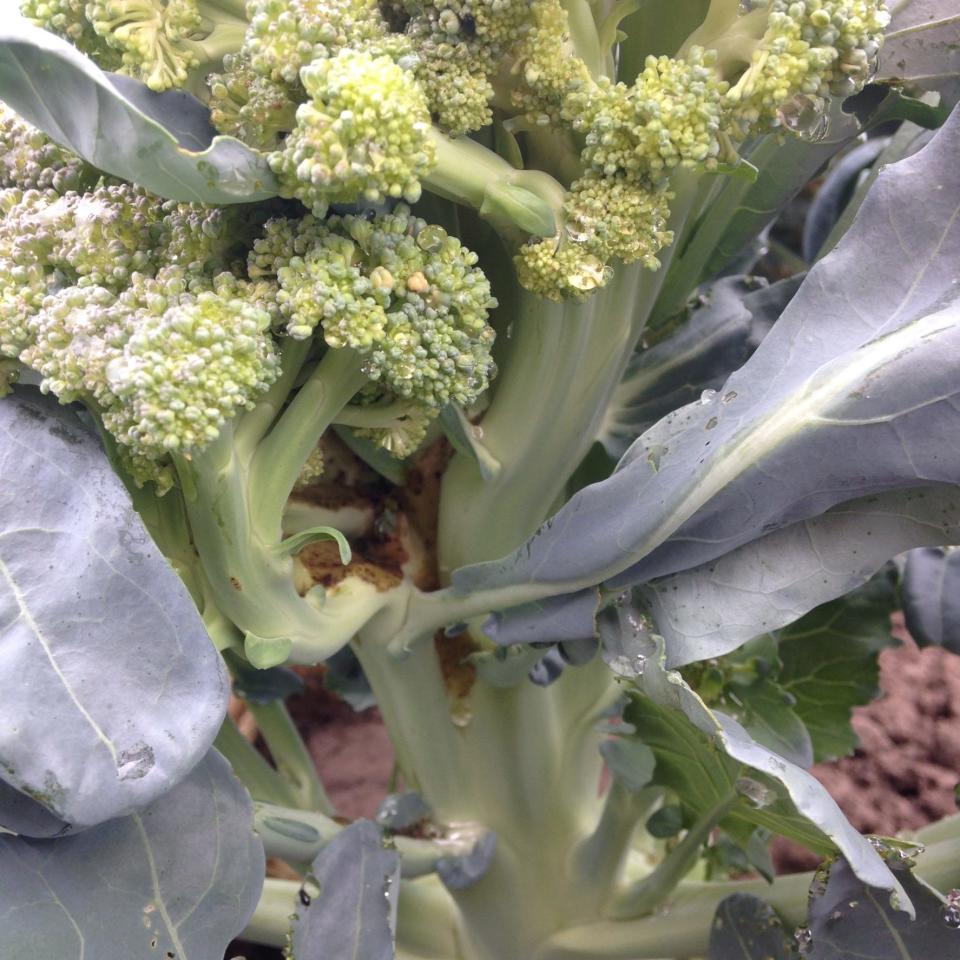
[705,756]
[853,393]
[746,928]
[848,919]
[176,880]
[348,904]
[712,608]
[725,327]
[931,597]
[110,689]
[136,136]
[921,46]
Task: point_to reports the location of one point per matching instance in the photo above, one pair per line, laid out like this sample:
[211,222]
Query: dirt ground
[902,776]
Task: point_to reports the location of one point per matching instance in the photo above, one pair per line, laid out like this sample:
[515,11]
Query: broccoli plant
[435,341]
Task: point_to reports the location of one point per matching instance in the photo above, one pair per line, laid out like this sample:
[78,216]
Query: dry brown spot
[459,675]
[235,583]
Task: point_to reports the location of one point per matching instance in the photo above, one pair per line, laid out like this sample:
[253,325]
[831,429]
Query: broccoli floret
[808,47]
[251,107]
[32,161]
[405,297]
[362,133]
[157,41]
[287,35]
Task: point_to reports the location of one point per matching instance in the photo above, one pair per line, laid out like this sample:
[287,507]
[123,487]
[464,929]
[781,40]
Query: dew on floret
[431,238]
[805,116]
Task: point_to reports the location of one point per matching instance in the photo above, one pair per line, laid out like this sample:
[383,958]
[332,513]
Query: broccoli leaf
[931,602]
[848,918]
[178,879]
[54,87]
[829,663]
[724,328]
[348,903]
[764,585]
[746,928]
[705,756]
[126,690]
[920,48]
[853,393]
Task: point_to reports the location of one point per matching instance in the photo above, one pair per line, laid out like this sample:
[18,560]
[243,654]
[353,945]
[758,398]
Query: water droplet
[460,713]
[432,238]
[729,397]
[711,423]
[590,275]
[806,117]
[804,939]
[707,396]
[951,917]
[135,763]
[627,667]
[755,792]
[309,890]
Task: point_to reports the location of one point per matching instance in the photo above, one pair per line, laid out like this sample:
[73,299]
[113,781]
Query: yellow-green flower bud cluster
[671,115]
[250,107]
[810,47]
[148,35]
[115,297]
[67,19]
[460,45]
[184,372]
[402,436]
[404,294]
[32,161]
[286,35]
[362,134]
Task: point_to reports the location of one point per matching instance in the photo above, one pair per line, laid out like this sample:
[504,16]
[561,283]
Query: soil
[901,777]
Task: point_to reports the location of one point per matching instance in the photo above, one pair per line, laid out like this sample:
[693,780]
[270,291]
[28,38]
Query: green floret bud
[401,437]
[67,19]
[184,372]
[810,48]
[618,218]
[403,294]
[286,35]
[250,107]
[30,160]
[363,134]
[559,268]
[672,115]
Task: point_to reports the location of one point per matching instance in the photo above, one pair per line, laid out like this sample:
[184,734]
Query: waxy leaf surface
[110,689]
[160,141]
[704,756]
[853,393]
[177,880]
[746,928]
[347,907]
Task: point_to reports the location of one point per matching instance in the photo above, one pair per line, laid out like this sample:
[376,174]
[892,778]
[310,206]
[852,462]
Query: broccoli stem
[585,37]
[283,452]
[515,202]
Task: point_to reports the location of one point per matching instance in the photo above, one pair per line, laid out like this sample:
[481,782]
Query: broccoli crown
[32,161]
[812,47]
[128,303]
[404,294]
[249,106]
[671,115]
[286,35]
[363,133]
[342,96]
